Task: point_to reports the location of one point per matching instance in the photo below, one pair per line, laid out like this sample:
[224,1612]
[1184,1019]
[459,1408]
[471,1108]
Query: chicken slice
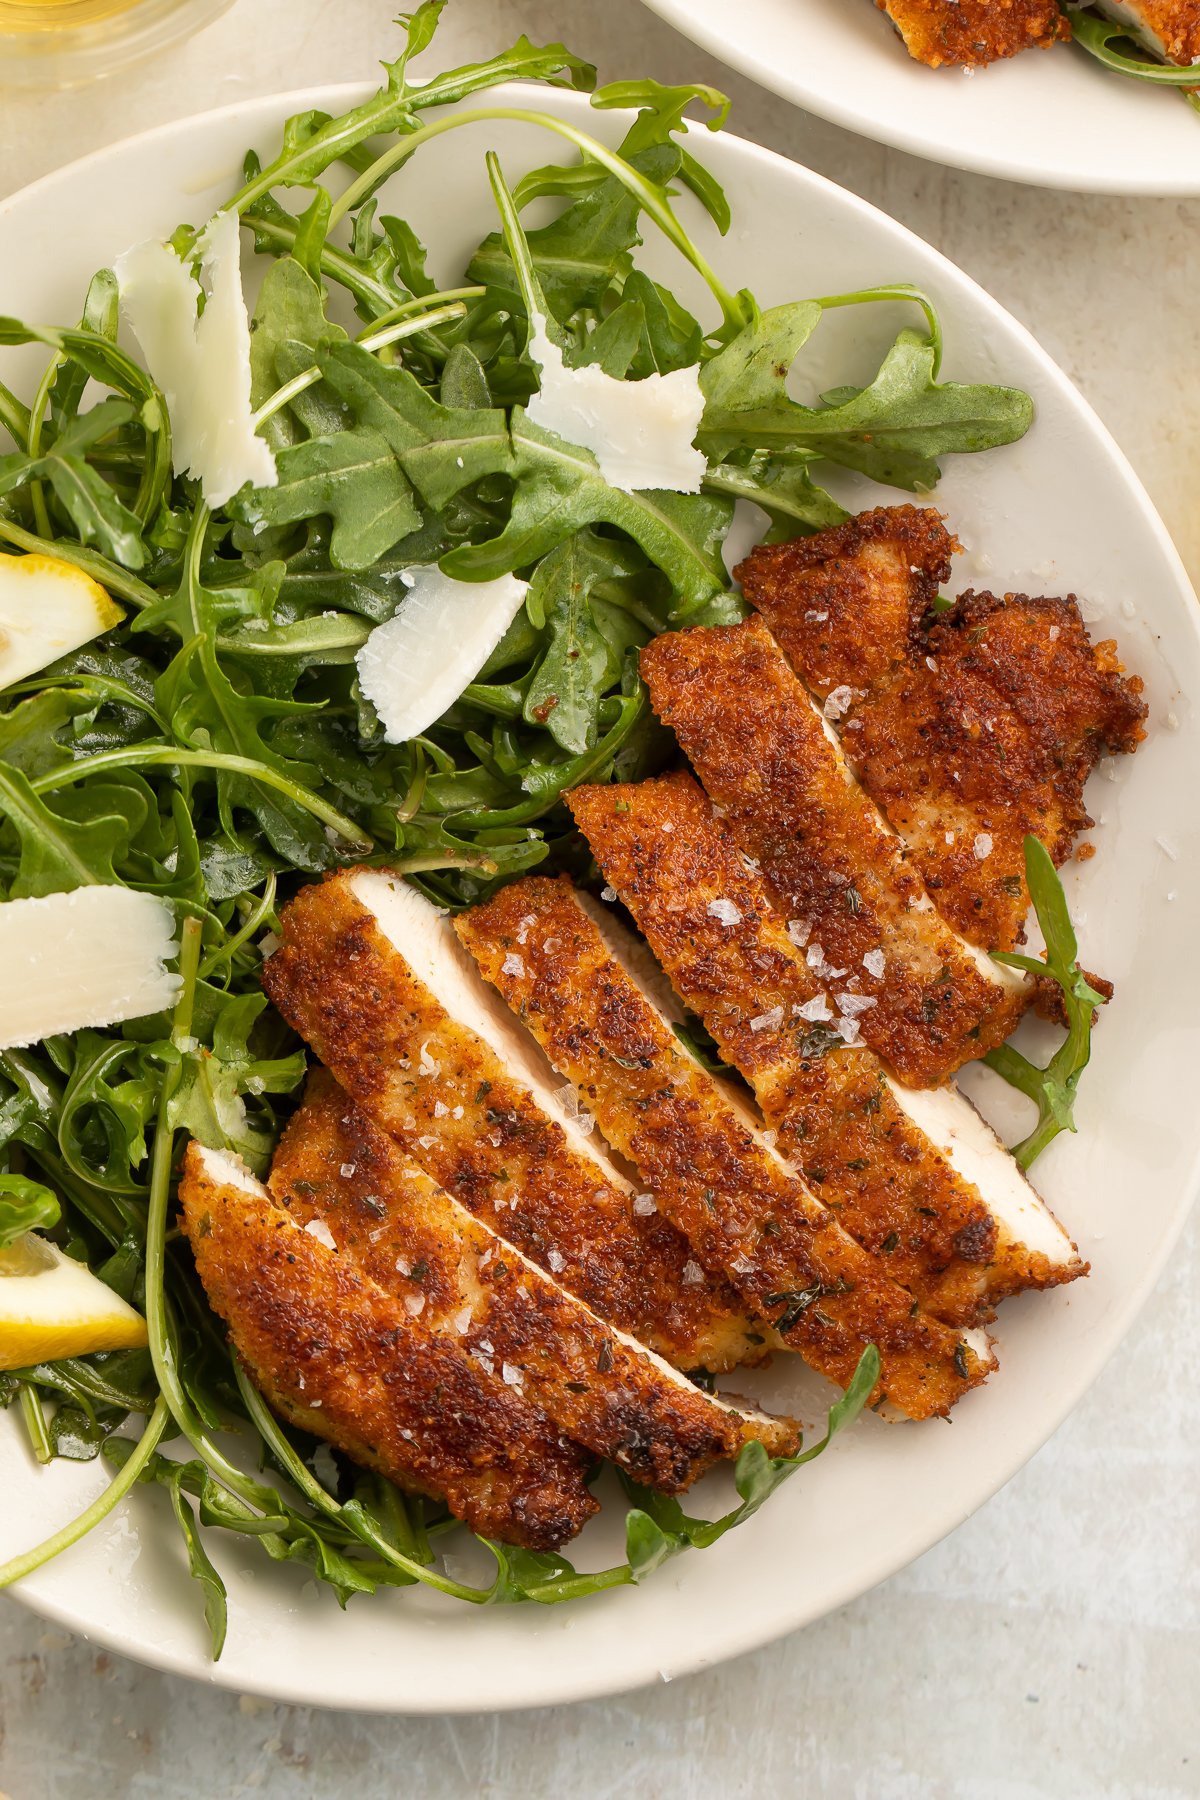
[1169,29]
[338,1356]
[974,32]
[925,1000]
[916,1176]
[375,979]
[463,1282]
[969,728]
[702,1153]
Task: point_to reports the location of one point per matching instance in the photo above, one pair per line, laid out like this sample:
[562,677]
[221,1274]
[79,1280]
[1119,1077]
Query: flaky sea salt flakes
[644,1205]
[574,1109]
[815,618]
[949,836]
[814,956]
[462,1321]
[513,965]
[874,962]
[816,1011]
[609,894]
[838,703]
[440,1109]
[1055,633]
[799,930]
[742,1265]
[414,1305]
[511,1375]
[982,845]
[847,1030]
[523,928]
[317,1228]
[346,1170]
[693,1274]
[769,1020]
[725,912]
[854,1004]
[403,1266]
[485,1362]
[557,1261]
[427,1066]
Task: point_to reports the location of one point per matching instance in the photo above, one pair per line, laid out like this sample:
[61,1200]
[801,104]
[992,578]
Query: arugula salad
[223,740]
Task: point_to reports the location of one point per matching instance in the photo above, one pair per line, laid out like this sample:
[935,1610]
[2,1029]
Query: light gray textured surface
[1051,1649]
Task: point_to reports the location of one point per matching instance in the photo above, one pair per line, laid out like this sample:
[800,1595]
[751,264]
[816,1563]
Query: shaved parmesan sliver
[96,956]
[47,609]
[640,432]
[415,666]
[201,361]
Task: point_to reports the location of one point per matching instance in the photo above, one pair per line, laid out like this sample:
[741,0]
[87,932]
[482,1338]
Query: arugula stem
[107,1502]
[109,575]
[256,917]
[37,415]
[35,1423]
[144,755]
[14,415]
[734,308]
[899,291]
[353,1518]
[405,307]
[376,340]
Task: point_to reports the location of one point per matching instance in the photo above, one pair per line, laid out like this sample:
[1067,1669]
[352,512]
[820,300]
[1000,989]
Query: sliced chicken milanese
[375,979]
[463,1283]
[969,728]
[743,1208]
[917,1177]
[973,32]
[925,1000]
[336,1354]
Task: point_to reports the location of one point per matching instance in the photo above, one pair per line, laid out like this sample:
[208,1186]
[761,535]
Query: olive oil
[46,17]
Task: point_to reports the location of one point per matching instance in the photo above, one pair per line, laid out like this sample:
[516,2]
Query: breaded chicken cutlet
[461,1281]
[973,32]
[374,978]
[915,1176]
[1169,29]
[969,727]
[476,1379]
[707,1164]
[339,1356]
[924,999]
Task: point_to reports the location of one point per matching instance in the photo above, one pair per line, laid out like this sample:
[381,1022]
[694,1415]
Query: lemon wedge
[51,1306]
[47,609]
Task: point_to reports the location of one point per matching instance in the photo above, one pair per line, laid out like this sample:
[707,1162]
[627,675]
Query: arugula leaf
[1053,1088]
[578,666]
[56,852]
[25,1205]
[559,490]
[892,431]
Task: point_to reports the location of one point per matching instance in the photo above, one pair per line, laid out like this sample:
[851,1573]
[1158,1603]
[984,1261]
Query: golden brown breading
[729,957]
[336,1355]
[974,32]
[970,728]
[754,737]
[743,1208]
[457,1110]
[464,1283]
[1173,26]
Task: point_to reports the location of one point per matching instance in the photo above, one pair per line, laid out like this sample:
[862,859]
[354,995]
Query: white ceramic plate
[1055,119]
[1060,511]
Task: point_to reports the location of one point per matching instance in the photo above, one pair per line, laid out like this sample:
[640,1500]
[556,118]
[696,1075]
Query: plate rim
[746,1633]
[790,86]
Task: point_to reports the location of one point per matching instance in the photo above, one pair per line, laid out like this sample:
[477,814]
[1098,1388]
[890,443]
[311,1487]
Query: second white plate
[1054,119]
